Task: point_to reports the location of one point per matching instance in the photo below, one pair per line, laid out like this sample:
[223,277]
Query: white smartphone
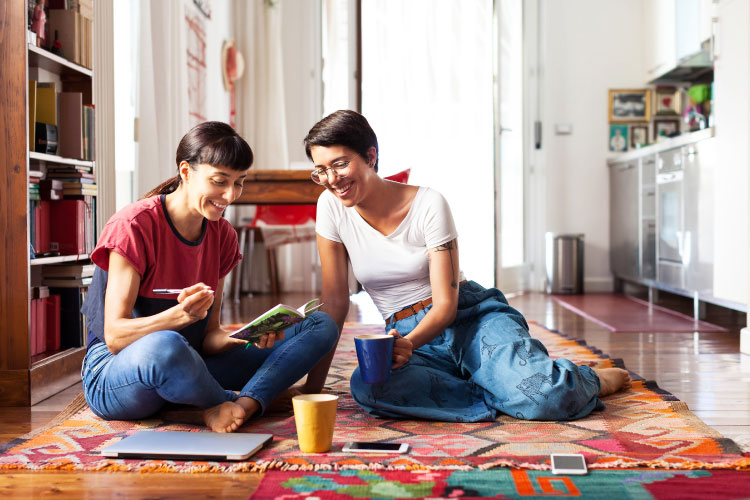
[568,464]
[370,447]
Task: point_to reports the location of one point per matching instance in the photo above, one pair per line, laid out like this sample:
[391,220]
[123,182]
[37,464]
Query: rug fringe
[742,464]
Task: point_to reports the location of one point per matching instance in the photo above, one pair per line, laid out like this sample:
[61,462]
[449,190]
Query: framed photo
[629,105]
[667,101]
[666,128]
[638,136]
[618,138]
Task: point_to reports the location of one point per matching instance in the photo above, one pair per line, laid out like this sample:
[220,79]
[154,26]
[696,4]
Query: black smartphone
[369,447]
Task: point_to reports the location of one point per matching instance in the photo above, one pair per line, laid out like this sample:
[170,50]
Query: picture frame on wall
[667,101]
[666,128]
[629,105]
[618,138]
[638,136]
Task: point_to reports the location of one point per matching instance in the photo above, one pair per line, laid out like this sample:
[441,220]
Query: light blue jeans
[485,362]
[162,367]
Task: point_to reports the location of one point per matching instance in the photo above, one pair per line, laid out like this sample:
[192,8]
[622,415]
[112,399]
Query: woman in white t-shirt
[461,353]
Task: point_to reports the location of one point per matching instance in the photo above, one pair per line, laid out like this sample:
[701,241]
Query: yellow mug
[315,417]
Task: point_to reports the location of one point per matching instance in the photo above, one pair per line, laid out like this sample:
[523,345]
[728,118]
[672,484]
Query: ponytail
[166,187]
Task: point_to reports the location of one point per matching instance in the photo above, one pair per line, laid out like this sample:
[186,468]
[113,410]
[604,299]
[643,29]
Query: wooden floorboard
[704,370]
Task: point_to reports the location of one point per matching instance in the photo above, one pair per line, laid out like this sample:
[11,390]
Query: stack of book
[73,275]
[76,180]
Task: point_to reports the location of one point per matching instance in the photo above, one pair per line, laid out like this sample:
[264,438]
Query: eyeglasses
[322,175]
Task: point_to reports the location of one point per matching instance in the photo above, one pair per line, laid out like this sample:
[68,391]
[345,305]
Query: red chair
[280,225]
[402,177]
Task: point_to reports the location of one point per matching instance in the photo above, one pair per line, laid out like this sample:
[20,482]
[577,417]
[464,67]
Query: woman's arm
[121,329]
[335,297]
[443,261]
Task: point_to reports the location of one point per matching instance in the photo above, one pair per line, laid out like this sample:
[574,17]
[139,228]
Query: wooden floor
[705,370]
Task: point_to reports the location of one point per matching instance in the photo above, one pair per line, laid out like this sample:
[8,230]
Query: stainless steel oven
[671,244]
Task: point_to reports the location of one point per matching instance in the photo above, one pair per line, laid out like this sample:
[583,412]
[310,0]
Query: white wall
[588,47]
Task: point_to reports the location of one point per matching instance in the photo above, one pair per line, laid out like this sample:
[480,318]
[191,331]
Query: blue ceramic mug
[374,353]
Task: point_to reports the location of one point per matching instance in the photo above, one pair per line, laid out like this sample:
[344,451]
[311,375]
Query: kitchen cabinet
[662,203]
[674,30]
[732,186]
[624,215]
[659,37]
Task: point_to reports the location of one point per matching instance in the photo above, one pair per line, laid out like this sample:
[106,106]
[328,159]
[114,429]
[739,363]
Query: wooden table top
[277,187]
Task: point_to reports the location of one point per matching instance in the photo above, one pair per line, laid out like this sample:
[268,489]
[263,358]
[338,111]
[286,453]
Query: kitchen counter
[669,143]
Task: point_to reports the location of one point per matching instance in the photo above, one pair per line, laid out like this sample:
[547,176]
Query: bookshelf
[27,377]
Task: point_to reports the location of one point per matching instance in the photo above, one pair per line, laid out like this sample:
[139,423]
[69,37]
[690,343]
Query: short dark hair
[343,128]
[214,143]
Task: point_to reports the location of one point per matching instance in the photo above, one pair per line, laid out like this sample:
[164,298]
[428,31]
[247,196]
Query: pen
[171,291]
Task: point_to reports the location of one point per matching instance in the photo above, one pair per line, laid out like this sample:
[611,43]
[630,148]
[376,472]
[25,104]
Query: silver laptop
[187,445]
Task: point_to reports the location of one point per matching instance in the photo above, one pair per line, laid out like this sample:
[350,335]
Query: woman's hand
[267,340]
[194,302]
[402,349]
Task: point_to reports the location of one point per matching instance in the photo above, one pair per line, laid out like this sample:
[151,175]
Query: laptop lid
[187,445]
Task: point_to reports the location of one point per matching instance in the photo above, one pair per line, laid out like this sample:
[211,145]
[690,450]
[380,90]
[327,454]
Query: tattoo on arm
[449,246]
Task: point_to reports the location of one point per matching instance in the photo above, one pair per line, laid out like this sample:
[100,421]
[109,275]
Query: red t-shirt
[145,236]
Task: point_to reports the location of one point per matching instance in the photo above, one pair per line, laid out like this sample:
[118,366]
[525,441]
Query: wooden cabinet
[731,181]
[24,379]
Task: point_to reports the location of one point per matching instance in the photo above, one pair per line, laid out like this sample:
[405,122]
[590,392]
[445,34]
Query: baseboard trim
[745,340]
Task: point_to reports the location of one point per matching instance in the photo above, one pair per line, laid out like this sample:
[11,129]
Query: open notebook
[187,445]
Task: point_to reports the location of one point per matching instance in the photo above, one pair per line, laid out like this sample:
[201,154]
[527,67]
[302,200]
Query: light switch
[563,128]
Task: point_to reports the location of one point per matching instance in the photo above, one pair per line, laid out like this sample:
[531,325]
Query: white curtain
[427,91]
[261,114]
[162,87]
[261,120]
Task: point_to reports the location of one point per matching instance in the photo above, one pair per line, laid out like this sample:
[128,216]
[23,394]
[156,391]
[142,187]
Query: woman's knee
[326,330]
[163,347]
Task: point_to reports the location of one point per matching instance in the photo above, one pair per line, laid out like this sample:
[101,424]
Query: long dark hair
[213,143]
[344,128]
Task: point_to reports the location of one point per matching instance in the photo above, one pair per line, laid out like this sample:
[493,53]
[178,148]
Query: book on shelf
[53,323]
[32,114]
[71,300]
[66,282]
[276,319]
[67,227]
[69,270]
[74,32]
[46,103]
[70,125]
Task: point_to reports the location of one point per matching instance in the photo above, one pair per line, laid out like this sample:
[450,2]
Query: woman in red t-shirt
[145,348]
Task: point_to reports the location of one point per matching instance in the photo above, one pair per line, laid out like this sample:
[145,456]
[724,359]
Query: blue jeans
[483,364]
[161,367]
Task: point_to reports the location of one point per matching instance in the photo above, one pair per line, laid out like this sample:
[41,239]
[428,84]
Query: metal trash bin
[564,258]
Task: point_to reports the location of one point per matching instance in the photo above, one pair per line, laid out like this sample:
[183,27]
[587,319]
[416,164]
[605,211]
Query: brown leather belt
[413,309]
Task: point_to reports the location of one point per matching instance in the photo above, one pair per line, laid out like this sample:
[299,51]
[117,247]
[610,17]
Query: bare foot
[283,402]
[225,417]
[613,380]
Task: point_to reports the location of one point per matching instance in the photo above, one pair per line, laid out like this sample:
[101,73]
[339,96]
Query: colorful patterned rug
[507,484]
[644,427]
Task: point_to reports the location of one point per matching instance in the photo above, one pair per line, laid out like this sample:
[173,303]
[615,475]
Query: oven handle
[669,177]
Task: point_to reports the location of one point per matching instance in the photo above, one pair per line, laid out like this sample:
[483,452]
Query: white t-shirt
[393,269]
